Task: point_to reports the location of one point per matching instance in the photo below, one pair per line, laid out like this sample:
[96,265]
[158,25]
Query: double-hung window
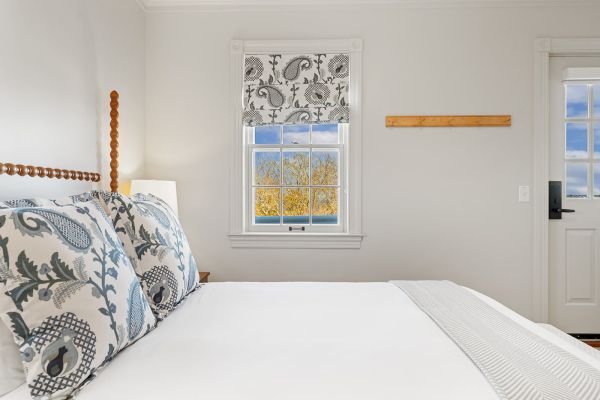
[296,172]
[297,178]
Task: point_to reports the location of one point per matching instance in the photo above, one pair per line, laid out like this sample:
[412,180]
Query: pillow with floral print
[70,296]
[41,201]
[159,251]
[11,367]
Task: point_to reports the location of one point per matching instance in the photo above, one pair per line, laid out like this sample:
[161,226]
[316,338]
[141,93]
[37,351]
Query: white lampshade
[165,190]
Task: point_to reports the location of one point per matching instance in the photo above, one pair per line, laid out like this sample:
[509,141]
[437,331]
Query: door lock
[555,200]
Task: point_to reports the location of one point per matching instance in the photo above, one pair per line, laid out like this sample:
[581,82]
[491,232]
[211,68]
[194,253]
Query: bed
[301,341]
[307,340]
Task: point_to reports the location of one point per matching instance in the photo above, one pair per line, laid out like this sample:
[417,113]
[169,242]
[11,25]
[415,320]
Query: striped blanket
[518,364]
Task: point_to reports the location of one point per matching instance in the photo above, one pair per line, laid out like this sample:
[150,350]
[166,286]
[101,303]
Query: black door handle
[563,210]
[555,194]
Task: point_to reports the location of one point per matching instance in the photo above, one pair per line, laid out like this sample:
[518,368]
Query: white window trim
[239,235]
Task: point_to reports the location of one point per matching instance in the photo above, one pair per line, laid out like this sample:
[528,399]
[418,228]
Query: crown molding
[278,5]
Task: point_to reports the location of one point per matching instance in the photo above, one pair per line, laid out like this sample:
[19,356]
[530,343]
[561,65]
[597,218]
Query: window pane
[295,206]
[577,174]
[577,101]
[296,134]
[325,167]
[596,95]
[295,167]
[267,167]
[325,206]
[597,141]
[267,205]
[596,180]
[267,135]
[577,142]
[325,134]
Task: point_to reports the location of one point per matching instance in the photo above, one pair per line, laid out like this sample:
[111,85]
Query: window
[582,139]
[296,170]
[296,180]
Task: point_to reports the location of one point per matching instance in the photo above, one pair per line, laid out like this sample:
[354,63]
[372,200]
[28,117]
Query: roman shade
[295,89]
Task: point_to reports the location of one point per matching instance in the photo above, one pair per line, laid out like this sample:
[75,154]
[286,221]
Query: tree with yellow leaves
[296,181]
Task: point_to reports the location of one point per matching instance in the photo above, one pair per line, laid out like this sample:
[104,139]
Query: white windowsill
[296,240]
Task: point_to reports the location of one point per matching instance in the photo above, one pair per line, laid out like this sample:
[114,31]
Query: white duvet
[276,341]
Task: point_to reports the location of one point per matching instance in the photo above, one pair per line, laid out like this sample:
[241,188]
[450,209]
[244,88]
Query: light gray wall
[440,203]
[59,61]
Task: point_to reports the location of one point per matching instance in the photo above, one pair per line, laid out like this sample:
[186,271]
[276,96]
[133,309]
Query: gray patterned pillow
[71,296]
[44,202]
[159,251]
[11,367]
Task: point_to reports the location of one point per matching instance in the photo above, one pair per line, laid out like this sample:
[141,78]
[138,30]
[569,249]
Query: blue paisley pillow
[159,251]
[71,297]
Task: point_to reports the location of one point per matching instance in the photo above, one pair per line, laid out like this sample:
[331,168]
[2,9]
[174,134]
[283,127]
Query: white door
[574,240]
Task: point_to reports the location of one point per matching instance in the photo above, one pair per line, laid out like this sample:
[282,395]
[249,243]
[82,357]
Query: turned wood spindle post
[114,141]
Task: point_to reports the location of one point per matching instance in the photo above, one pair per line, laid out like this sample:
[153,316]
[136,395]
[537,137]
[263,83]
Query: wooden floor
[593,343]
[592,339]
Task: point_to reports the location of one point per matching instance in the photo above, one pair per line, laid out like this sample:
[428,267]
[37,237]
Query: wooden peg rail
[44,172]
[405,121]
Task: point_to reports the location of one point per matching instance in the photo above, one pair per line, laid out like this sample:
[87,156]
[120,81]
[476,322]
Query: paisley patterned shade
[296,89]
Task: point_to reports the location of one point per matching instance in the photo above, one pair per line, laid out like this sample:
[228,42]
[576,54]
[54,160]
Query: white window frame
[349,233]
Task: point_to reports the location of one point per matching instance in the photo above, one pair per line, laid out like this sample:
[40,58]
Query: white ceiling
[233,5]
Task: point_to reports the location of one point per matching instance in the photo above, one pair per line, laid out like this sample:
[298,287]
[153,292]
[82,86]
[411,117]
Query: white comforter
[304,341]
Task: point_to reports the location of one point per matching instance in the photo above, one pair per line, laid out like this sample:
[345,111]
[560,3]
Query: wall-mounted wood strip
[405,121]
[44,172]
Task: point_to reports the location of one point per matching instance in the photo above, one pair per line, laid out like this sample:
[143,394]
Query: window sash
[249,197]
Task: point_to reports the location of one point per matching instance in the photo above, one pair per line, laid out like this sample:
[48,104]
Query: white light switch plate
[523,194]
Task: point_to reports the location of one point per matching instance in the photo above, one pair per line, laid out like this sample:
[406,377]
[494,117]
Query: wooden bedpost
[114,141]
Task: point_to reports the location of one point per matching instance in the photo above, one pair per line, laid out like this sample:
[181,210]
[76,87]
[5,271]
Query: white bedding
[298,341]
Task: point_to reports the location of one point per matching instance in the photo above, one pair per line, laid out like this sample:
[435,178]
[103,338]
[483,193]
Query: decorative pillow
[11,368]
[73,298]
[44,202]
[158,249]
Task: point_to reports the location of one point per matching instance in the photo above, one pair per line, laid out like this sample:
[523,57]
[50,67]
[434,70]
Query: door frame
[544,48]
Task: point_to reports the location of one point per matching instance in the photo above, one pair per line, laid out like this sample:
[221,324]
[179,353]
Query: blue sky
[577,101]
[576,179]
[577,139]
[267,134]
[322,134]
[577,142]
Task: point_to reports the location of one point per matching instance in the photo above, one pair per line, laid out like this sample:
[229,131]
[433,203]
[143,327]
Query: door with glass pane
[574,240]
